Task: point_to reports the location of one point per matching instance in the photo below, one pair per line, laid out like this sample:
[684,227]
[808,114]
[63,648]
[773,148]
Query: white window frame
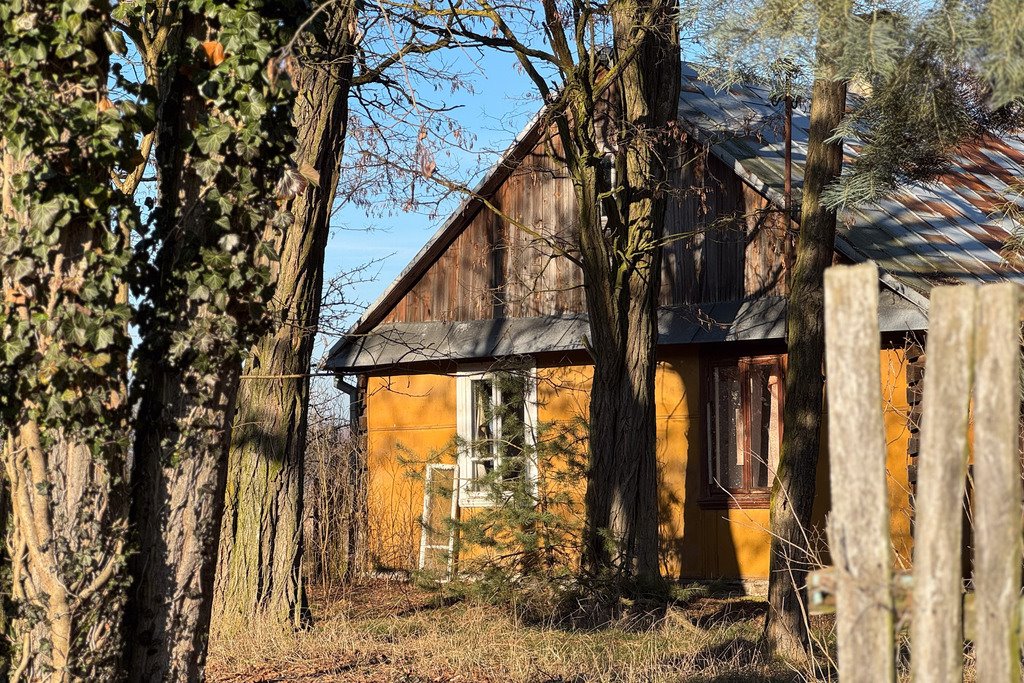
[468,498]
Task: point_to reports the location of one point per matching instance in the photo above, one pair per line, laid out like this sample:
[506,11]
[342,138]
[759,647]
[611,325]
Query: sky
[501,104]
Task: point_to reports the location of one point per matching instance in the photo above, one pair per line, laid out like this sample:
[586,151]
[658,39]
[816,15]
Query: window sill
[746,500]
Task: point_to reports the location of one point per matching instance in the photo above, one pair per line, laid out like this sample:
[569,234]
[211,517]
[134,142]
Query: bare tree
[260,559]
[793,492]
[615,69]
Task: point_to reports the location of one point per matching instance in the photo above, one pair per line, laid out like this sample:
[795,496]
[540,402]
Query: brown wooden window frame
[747,496]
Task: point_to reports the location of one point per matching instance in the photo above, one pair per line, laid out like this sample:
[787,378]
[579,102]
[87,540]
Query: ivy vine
[204,266]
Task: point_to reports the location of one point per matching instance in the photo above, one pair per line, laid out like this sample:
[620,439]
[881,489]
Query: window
[744,429]
[496,418]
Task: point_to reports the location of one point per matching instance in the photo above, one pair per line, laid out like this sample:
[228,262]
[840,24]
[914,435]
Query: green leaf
[43,216]
[102,338]
[115,42]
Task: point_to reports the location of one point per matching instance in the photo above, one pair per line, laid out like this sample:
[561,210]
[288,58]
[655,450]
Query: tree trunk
[205,295]
[178,478]
[259,563]
[65,418]
[793,492]
[621,266]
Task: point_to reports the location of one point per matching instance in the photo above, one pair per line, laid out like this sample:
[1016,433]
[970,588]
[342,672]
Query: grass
[390,631]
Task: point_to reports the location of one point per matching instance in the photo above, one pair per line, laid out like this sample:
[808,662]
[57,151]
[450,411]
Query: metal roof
[940,232]
[397,344]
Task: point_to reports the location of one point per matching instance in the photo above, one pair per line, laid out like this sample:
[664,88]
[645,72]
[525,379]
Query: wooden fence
[973,366]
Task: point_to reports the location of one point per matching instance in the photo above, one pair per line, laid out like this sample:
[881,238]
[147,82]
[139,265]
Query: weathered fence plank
[997,484]
[859,525]
[936,628]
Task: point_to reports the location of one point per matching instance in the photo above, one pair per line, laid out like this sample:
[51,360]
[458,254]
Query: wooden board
[725,243]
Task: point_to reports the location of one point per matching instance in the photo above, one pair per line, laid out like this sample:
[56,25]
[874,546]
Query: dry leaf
[214,52]
[113,401]
[307,171]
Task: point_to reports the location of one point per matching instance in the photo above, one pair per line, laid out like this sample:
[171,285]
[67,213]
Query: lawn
[394,631]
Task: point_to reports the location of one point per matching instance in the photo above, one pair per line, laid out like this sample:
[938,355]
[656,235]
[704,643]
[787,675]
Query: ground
[391,631]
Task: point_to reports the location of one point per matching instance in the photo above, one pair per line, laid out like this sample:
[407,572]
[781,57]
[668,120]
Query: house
[483,289]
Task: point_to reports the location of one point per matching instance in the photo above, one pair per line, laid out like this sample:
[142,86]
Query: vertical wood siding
[725,243]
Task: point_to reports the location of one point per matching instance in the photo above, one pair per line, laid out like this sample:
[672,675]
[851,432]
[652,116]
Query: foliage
[64,330]
[521,548]
[531,524]
[64,318]
[203,267]
[936,96]
[934,75]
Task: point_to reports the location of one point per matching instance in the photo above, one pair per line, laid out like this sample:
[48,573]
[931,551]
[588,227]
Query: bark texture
[184,413]
[259,562]
[794,489]
[621,262]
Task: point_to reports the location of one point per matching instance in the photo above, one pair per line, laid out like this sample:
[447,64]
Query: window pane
[482,462]
[482,409]
[764,424]
[728,409]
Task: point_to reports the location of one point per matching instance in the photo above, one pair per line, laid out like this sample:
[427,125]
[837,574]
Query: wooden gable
[728,244]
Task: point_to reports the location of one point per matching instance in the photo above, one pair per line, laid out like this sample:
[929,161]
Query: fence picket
[859,525]
[936,628]
[997,484]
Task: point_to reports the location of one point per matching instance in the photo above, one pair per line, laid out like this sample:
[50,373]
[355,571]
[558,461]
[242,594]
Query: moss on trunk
[259,563]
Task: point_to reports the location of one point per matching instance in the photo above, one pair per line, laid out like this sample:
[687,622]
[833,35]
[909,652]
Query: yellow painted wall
[410,420]
[413,418]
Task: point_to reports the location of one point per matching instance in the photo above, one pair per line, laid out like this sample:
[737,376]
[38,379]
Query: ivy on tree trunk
[223,138]
[63,337]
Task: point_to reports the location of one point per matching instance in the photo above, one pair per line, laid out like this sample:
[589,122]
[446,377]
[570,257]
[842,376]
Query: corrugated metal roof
[941,232]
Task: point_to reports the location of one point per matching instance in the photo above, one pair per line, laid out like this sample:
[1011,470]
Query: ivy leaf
[211,140]
[102,337]
[43,216]
[98,361]
[207,169]
[115,42]
[19,268]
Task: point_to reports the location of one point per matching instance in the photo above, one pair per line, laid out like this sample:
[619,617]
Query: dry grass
[397,632]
